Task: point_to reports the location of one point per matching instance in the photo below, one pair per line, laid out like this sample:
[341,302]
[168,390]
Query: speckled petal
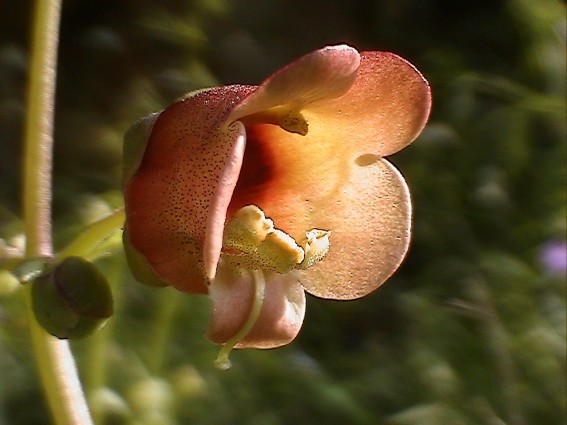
[385,109]
[323,74]
[280,318]
[370,221]
[168,200]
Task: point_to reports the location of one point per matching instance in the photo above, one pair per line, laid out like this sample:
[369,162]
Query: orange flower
[255,194]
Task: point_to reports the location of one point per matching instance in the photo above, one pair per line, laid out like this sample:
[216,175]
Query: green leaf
[135,141]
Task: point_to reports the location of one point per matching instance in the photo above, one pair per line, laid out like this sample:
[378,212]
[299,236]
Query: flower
[553,257]
[256,194]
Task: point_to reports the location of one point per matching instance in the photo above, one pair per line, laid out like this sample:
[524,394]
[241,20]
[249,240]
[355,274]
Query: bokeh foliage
[471,330]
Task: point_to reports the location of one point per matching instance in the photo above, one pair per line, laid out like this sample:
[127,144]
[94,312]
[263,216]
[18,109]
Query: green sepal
[72,299]
[139,265]
[135,142]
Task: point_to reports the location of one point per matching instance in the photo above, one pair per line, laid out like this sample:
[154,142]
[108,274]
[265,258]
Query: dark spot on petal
[366,159]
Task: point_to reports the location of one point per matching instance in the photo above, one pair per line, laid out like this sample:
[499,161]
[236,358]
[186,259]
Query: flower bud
[72,299]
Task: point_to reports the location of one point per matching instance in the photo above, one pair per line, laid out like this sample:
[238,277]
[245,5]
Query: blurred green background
[472,328]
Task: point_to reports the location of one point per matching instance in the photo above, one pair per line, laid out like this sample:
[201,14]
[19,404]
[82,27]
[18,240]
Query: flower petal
[220,201]
[139,265]
[170,198]
[385,109]
[286,175]
[135,141]
[323,74]
[370,222]
[281,315]
[289,175]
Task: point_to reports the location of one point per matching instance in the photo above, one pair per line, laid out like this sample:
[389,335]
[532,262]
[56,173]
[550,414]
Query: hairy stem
[54,359]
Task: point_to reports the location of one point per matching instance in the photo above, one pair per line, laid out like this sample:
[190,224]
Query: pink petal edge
[219,204]
[323,74]
[385,109]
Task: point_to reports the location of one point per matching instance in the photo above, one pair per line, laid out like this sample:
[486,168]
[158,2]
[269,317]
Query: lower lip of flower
[222,361]
[252,244]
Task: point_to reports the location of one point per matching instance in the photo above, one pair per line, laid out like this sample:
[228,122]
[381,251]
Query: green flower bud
[72,299]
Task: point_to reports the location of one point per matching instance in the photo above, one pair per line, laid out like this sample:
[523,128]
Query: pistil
[259,281]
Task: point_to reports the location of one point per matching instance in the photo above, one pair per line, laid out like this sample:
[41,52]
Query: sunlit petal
[281,316]
[384,110]
[371,222]
[286,173]
[324,74]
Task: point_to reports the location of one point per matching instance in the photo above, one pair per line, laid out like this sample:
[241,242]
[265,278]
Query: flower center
[251,241]
[259,169]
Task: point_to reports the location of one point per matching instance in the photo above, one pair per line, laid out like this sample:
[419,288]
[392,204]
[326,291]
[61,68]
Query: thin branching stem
[94,235]
[54,359]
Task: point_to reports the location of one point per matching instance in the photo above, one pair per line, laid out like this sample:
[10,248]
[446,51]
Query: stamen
[316,246]
[254,244]
[259,281]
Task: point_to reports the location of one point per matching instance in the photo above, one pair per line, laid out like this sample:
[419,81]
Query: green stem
[162,324]
[94,235]
[98,345]
[53,357]
[9,260]
[84,245]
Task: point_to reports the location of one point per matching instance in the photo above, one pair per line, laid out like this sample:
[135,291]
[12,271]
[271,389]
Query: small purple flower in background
[553,257]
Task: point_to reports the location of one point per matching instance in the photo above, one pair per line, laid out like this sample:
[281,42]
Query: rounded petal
[170,198]
[323,74]
[280,318]
[370,222]
[385,109]
[291,176]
